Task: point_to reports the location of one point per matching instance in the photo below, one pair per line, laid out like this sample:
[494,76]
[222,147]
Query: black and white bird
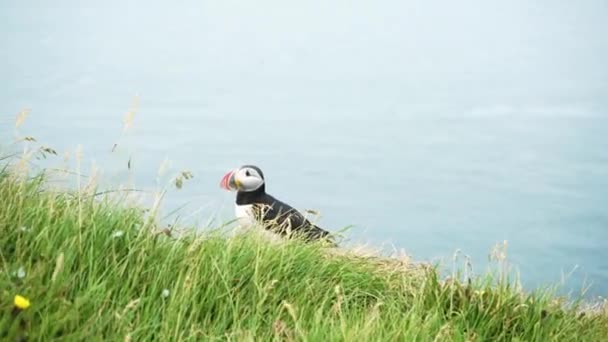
[254,205]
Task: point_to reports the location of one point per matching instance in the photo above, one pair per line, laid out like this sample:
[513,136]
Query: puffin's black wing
[282,218]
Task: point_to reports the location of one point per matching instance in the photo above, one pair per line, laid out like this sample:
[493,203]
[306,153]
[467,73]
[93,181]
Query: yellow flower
[21,302]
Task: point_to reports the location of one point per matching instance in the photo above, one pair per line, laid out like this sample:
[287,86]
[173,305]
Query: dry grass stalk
[21,116]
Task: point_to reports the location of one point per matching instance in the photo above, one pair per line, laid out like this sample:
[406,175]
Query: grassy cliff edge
[94,269]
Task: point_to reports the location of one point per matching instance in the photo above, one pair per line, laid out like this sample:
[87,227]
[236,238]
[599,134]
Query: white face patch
[248,179]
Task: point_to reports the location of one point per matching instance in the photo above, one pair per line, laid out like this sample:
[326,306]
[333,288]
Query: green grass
[86,282]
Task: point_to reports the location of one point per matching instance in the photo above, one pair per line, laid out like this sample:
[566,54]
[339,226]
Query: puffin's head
[247,178]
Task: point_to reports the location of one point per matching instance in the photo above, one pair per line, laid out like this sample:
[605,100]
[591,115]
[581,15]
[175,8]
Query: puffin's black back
[278,216]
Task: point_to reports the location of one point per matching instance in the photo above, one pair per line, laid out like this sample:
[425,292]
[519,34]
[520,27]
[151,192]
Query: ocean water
[427,128]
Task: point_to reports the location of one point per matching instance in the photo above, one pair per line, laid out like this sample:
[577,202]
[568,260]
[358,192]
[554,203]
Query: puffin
[254,205]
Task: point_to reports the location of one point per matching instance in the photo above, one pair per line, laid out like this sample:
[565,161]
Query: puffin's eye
[247,173]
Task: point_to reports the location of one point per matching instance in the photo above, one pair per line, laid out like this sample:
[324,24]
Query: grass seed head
[21,116]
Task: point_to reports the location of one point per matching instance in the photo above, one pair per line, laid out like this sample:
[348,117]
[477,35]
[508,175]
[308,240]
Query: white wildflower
[165,293]
[118,234]
[21,273]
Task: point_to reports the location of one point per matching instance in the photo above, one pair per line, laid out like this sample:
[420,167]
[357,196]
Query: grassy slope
[85,283]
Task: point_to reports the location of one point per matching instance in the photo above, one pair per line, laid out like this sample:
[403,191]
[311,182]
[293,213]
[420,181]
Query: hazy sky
[470,51]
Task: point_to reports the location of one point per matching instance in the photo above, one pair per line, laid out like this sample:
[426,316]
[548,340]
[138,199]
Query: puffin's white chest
[246,219]
[244,214]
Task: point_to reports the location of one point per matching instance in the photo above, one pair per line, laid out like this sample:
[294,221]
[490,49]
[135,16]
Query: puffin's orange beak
[229,181]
